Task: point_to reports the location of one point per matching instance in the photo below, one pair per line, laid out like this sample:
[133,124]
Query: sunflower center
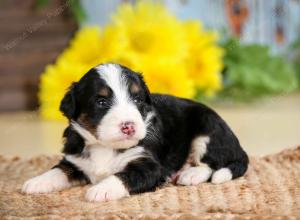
[142,41]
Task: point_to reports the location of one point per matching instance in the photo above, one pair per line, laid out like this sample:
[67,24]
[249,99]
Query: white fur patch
[53,180]
[103,162]
[222,175]
[199,148]
[149,116]
[122,110]
[110,188]
[194,175]
[121,160]
[112,74]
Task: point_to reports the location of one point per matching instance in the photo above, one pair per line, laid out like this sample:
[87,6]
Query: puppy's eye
[101,102]
[137,100]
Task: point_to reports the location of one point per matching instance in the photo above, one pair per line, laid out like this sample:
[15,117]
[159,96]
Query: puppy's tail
[232,171]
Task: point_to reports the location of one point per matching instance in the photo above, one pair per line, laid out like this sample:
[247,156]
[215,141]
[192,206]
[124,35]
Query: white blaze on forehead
[112,74]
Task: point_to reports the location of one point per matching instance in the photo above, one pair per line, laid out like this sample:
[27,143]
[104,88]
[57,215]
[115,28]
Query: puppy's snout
[128,128]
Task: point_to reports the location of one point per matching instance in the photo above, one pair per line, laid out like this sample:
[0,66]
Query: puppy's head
[110,105]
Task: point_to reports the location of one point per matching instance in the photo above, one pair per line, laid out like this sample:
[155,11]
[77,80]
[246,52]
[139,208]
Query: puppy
[124,140]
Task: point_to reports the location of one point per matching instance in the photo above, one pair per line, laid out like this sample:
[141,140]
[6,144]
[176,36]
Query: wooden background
[30,38]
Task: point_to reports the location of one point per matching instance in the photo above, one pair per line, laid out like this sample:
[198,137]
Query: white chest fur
[103,162]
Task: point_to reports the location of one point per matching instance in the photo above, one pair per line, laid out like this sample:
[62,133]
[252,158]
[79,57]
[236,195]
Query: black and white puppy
[125,140]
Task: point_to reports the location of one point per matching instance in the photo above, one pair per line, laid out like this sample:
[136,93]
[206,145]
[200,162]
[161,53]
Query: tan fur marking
[103,92]
[134,88]
[85,122]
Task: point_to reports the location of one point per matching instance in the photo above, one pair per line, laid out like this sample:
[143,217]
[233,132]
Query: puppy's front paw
[110,188]
[53,180]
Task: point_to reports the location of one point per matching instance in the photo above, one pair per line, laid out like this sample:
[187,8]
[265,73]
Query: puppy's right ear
[145,88]
[68,103]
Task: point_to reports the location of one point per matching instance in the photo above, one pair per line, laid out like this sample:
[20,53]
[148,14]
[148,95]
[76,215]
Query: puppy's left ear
[68,103]
[145,88]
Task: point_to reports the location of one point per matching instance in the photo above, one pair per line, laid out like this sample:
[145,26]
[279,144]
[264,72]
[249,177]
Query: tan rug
[270,189]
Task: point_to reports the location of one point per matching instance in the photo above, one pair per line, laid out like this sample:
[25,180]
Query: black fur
[176,123]
[74,143]
[189,120]
[68,104]
[142,175]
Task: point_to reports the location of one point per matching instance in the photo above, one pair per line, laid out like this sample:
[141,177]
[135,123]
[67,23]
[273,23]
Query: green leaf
[251,71]
[40,4]
[75,8]
[77,11]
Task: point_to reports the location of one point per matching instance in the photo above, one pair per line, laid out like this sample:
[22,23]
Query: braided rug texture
[269,190]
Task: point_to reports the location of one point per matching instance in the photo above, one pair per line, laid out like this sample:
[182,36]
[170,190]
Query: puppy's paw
[53,180]
[194,175]
[110,188]
[222,175]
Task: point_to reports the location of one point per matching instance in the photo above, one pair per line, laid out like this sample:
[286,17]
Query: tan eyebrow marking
[134,88]
[103,92]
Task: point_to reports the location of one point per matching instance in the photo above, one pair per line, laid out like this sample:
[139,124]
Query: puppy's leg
[61,176]
[226,158]
[140,175]
[231,171]
[202,173]
[199,172]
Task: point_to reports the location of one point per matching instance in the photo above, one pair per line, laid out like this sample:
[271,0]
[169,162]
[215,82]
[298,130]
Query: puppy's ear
[73,142]
[68,103]
[145,88]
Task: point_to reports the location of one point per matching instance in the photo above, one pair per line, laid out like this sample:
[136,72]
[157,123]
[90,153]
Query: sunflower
[204,60]
[168,78]
[85,48]
[148,31]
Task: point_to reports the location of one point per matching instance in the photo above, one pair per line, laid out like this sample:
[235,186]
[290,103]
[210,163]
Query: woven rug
[269,190]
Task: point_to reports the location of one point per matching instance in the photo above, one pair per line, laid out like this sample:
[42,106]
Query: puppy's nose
[128,128]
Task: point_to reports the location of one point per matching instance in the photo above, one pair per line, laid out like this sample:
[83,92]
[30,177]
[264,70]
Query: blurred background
[241,57]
